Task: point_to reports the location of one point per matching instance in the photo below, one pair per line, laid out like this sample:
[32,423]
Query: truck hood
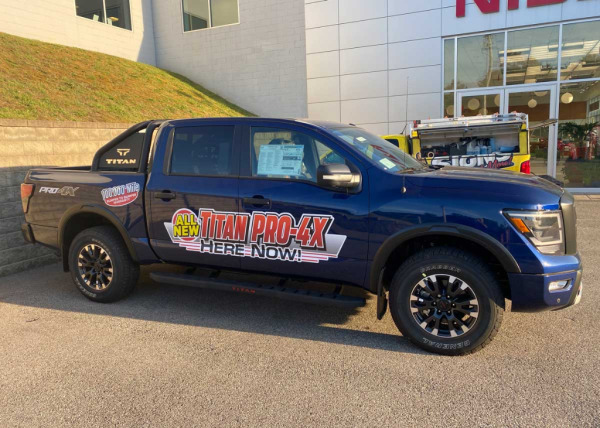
[487,180]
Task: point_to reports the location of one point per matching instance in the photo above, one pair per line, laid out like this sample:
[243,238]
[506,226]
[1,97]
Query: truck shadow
[49,288]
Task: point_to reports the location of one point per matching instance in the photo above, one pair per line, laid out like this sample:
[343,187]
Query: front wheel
[101,266]
[447,301]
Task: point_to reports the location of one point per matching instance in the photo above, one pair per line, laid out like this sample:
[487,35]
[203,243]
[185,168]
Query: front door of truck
[193,195]
[297,227]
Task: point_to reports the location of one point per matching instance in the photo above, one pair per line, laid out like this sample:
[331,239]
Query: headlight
[543,228]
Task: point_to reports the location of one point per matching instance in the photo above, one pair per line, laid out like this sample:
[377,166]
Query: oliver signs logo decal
[118,196]
[260,235]
[487,161]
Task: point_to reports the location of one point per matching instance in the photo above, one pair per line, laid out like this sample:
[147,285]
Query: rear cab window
[202,151]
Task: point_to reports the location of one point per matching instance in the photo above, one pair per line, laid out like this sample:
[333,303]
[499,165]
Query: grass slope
[45,81]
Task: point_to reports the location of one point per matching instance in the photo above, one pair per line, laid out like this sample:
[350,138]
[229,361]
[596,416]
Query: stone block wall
[26,144]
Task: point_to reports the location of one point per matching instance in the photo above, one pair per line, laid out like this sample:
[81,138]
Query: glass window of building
[479,61]
[449,64]
[112,12]
[532,56]
[117,13]
[476,105]
[580,51]
[579,129]
[195,14]
[90,9]
[199,14]
[449,104]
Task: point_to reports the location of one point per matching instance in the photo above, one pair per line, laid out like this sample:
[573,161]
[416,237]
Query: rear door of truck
[194,173]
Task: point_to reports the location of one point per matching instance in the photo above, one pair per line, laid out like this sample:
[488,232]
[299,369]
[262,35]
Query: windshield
[381,152]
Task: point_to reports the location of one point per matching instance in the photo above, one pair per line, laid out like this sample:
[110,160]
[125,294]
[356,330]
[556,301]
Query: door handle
[166,194]
[257,202]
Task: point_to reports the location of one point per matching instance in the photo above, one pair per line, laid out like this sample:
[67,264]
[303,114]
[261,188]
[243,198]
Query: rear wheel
[101,266]
[446,300]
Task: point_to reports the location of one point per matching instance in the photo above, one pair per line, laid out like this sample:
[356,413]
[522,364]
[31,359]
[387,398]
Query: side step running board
[278,291]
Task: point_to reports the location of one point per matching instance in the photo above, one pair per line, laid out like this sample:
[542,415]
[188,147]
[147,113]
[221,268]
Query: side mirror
[337,175]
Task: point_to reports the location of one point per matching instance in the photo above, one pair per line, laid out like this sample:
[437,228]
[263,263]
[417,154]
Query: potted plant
[579,133]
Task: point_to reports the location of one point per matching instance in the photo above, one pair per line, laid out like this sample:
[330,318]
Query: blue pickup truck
[311,202]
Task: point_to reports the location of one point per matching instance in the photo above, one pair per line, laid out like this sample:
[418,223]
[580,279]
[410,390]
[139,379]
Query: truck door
[195,173]
[295,226]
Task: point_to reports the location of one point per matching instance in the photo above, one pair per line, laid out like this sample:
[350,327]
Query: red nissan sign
[493,6]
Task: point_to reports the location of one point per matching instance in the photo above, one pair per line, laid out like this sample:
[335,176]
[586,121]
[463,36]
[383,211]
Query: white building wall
[259,64]
[378,63]
[55,21]
[362,54]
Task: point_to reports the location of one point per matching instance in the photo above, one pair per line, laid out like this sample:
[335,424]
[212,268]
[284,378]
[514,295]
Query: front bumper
[529,293]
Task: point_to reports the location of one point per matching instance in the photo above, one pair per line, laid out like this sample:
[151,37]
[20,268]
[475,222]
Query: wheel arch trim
[478,237]
[97,210]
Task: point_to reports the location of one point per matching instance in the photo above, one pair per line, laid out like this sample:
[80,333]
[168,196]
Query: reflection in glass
[449,104]
[579,128]
[537,106]
[195,14]
[117,13]
[223,12]
[475,105]
[449,64]
[532,55]
[479,61]
[90,9]
[580,51]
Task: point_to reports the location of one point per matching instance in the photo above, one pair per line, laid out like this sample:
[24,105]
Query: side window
[126,155]
[202,150]
[283,153]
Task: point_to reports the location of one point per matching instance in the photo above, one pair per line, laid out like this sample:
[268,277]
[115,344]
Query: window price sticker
[280,159]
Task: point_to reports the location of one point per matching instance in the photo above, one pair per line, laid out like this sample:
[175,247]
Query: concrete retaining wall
[26,144]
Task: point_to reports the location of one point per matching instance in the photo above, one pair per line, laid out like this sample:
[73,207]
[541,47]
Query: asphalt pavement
[176,356]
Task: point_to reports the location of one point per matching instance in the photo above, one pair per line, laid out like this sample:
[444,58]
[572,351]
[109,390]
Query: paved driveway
[171,356]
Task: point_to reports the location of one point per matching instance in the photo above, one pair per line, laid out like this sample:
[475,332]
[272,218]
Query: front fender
[478,237]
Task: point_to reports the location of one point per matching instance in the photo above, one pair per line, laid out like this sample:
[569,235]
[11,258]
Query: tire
[463,323]
[101,266]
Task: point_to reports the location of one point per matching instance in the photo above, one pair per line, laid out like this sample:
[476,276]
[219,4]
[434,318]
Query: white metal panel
[325,111]
[362,60]
[321,13]
[376,128]
[416,53]
[323,64]
[424,106]
[323,89]
[580,9]
[473,21]
[363,33]
[360,10]
[371,110]
[397,7]
[322,39]
[397,108]
[533,15]
[364,85]
[420,25]
[398,128]
[420,80]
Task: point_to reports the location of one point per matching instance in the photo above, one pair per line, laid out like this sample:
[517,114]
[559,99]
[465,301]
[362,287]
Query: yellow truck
[494,141]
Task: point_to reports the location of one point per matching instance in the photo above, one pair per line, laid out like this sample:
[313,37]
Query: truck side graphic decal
[263,235]
[119,196]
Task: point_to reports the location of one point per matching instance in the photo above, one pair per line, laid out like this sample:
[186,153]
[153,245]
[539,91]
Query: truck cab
[492,141]
[311,202]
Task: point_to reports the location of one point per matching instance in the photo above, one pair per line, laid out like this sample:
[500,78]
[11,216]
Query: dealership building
[376,63]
